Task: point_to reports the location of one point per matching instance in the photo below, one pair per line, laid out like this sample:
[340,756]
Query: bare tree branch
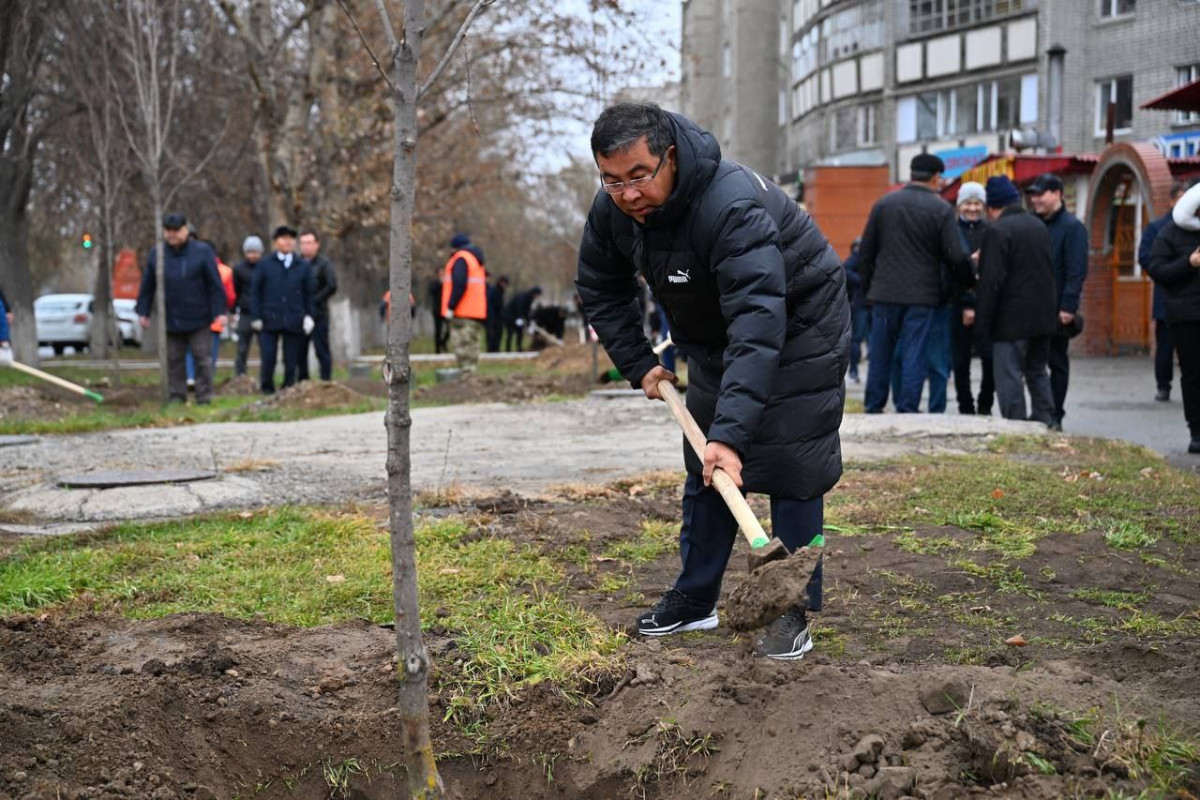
[475,11]
[312,7]
[388,29]
[367,45]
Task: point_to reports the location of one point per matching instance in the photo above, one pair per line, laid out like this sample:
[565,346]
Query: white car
[65,320]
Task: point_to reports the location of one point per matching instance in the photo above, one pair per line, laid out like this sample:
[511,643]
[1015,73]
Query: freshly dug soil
[516,388]
[26,402]
[238,386]
[770,590]
[311,395]
[195,706]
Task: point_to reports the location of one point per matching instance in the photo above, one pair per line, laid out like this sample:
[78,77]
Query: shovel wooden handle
[724,484]
[57,381]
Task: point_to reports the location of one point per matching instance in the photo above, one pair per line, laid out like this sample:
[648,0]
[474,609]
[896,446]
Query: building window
[927,115]
[1008,105]
[1118,91]
[929,16]
[852,30]
[783,115]
[966,109]
[727,60]
[868,125]
[843,129]
[1116,8]
[1184,76]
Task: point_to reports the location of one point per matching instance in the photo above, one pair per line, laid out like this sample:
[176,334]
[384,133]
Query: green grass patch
[1111,598]
[306,568]
[1125,535]
[655,538]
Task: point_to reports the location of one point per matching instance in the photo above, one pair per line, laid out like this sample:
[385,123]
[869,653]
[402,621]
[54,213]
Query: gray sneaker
[787,639]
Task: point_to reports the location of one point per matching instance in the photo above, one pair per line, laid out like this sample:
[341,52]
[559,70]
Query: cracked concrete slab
[81,506]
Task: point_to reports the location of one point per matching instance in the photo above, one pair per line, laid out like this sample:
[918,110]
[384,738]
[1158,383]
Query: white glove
[309,325]
[6,355]
[520,323]
[256,325]
[449,314]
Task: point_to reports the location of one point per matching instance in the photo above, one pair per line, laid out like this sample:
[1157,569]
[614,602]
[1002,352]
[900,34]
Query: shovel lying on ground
[57,381]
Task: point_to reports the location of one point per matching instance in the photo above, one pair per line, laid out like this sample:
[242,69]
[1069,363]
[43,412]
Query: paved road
[526,448]
[1113,397]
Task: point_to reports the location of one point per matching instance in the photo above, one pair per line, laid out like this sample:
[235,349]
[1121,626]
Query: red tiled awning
[1185,98]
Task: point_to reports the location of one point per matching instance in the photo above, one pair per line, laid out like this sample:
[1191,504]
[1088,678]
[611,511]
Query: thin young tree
[401,75]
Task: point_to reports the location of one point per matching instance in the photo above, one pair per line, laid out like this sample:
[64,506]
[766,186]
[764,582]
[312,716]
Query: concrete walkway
[525,448]
[1110,397]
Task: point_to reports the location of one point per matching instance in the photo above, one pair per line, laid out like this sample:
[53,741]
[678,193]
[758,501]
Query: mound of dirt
[312,395]
[516,388]
[573,357]
[26,402]
[238,386]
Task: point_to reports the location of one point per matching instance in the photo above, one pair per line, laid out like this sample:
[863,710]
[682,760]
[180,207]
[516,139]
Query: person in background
[325,283]
[281,303]
[1175,265]
[1164,353]
[194,299]
[971,222]
[464,300]
[1015,303]
[860,312]
[6,353]
[243,279]
[911,236]
[495,313]
[1069,243]
[217,328]
[441,329]
[516,315]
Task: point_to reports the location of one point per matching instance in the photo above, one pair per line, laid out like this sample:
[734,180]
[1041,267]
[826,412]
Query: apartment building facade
[791,84]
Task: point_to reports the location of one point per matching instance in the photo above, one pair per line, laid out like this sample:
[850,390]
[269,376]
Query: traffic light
[87,241]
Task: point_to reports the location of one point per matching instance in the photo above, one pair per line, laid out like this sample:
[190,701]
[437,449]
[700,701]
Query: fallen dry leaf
[1016,641]
[449,571]
[997,494]
[335,578]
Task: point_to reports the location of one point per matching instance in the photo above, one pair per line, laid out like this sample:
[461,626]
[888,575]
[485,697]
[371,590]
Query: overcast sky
[660,19]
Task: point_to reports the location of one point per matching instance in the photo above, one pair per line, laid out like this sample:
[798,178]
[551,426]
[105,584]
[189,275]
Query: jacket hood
[698,155]
[1184,213]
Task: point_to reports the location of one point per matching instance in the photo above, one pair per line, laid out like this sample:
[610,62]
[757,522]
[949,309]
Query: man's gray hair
[619,127]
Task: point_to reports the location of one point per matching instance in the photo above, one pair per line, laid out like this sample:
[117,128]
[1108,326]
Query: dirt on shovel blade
[771,590]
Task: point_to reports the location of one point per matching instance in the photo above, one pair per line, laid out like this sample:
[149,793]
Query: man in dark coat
[756,301]
[194,298]
[495,313]
[516,316]
[1069,247]
[1015,305]
[325,286]
[911,236]
[243,279]
[1164,353]
[281,303]
[1175,265]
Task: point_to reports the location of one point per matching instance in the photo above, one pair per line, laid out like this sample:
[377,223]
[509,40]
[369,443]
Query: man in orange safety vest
[464,300]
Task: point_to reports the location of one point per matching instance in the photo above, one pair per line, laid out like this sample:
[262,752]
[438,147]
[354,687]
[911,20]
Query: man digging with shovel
[756,301]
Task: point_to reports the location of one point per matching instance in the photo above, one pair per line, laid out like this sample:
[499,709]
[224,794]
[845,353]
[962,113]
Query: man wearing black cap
[910,235]
[1014,304]
[281,303]
[194,298]
[1069,248]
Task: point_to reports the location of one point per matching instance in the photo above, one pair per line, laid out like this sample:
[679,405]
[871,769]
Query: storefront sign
[960,159]
[989,169]
[1178,145]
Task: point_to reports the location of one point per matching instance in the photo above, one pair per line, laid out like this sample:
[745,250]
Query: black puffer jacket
[1170,269]
[1015,299]
[756,300]
[911,236]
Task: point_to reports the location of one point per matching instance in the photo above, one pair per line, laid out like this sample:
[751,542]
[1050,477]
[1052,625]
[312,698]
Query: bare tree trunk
[14,266]
[413,665]
[103,320]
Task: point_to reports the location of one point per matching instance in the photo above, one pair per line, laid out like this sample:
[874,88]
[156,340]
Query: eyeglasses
[619,187]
